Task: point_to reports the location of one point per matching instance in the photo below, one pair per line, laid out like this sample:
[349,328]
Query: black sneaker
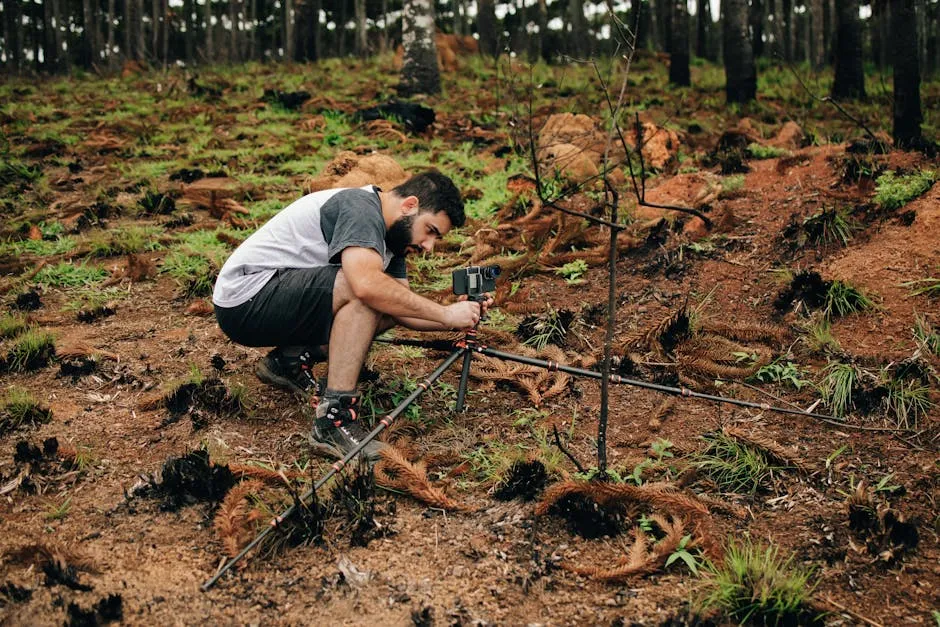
[292,373]
[337,427]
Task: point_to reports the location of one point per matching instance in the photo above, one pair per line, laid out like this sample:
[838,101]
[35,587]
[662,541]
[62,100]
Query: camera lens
[490,272]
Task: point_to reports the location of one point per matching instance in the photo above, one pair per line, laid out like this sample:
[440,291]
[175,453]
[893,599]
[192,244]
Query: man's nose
[428,245]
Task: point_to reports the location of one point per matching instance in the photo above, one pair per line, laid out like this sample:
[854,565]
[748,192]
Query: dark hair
[435,192]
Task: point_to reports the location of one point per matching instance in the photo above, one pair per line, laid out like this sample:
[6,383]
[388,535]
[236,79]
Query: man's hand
[485,304]
[462,315]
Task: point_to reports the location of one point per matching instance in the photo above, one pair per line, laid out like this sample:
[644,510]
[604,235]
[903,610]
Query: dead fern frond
[384,129]
[639,561]
[777,452]
[231,521]
[46,553]
[747,332]
[709,369]
[267,475]
[396,472]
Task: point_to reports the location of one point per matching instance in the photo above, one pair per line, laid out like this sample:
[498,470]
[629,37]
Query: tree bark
[362,33]
[581,45]
[757,26]
[207,16]
[849,82]
[317,31]
[703,21]
[740,72]
[88,34]
[50,36]
[234,54]
[383,34]
[679,44]
[109,46]
[486,26]
[776,29]
[789,30]
[904,48]
[419,71]
[817,31]
[288,41]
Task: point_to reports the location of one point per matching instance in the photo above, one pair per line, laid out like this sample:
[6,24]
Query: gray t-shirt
[310,232]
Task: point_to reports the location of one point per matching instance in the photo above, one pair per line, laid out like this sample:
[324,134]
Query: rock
[695,229]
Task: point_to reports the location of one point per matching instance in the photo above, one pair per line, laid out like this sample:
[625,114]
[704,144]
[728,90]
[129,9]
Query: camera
[475,281]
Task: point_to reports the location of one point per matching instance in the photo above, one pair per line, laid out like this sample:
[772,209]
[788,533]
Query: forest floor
[101,250]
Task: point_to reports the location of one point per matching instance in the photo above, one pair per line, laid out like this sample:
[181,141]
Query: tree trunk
[849,82]
[703,20]
[362,39]
[883,24]
[109,47]
[419,71]
[88,37]
[165,32]
[776,29]
[907,111]
[537,47]
[140,39]
[210,48]
[740,72]
[317,31]
[756,16]
[817,45]
[50,52]
[789,31]
[581,45]
[654,41]
[679,44]
[383,34]
[288,34]
[486,26]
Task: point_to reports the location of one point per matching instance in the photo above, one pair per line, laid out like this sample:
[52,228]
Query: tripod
[465,348]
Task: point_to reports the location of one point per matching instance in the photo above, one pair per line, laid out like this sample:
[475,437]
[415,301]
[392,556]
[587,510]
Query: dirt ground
[496,562]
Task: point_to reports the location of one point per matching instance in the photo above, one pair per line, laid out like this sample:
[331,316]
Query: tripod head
[475,281]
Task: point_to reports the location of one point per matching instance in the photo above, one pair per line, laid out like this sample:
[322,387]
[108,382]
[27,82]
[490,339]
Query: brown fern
[267,475]
[774,450]
[747,332]
[396,472]
[231,519]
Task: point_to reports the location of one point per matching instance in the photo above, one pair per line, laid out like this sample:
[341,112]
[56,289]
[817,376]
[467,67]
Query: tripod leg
[464,374]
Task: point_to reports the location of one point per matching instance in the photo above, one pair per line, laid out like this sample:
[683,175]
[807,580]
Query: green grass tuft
[135,239]
[758,151]
[843,299]
[194,274]
[836,386]
[66,274]
[756,586]
[11,325]
[18,407]
[929,287]
[893,191]
[734,466]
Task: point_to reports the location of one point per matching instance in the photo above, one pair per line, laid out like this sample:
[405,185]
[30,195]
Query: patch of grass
[759,151]
[18,407]
[31,350]
[194,274]
[755,585]
[925,334]
[907,401]
[894,191]
[59,512]
[819,336]
[731,185]
[734,466]
[828,226]
[91,298]
[134,239]
[836,386]
[38,247]
[11,325]
[843,299]
[929,287]
[67,275]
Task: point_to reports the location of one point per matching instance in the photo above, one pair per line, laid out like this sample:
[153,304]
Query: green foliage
[894,191]
[194,274]
[134,239]
[88,299]
[828,226]
[929,287]
[838,381]
[780,371]
[819,335]
[58,512]
[30,350]
[734,466]
[759,151]
[731,185]
[573,271]
[843,299]
[37,247]
[549,328]
[69,275]
[755,585]
[18,407]
[11,325]
[925,334]
[907,401]
[682,553]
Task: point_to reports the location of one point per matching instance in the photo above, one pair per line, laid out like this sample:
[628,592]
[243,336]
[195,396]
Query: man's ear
[409,206]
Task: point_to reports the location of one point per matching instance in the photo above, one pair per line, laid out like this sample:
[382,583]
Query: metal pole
[336,467]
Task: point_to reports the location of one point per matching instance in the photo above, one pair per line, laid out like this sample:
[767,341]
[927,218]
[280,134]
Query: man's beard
[398,236]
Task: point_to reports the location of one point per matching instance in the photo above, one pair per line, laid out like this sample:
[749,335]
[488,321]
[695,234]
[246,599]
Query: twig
[564,450]
[832,102]
[851,613]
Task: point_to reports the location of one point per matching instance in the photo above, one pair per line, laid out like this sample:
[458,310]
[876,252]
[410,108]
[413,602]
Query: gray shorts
[294,308]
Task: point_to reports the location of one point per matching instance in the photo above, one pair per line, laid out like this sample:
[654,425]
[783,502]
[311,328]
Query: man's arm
[369,283]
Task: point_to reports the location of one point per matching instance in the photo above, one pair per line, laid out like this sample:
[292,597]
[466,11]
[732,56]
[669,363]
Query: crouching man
[324,276]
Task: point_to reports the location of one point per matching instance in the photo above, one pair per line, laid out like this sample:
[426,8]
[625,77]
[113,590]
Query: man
[324,276]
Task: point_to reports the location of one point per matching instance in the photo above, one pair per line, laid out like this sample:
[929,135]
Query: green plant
[828,226]
[759,151]
[11,325]
[894,191]
[195,275]
[31,350]
[843,299]
[573,271]
[133,239]
[929,287]
[734,466]
[926,336]
[730,185]
[682,553]
[819,336]
[907,401]
[884,484]
[39,247]
[58,512]
[780,371]
[18,407]
[836,386]
[66,275]
[88,299]
[755,585]
[546,329]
